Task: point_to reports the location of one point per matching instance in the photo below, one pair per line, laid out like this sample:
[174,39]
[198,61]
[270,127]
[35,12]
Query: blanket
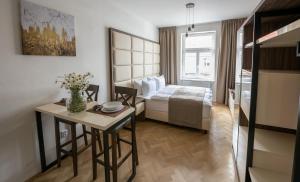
[185,107]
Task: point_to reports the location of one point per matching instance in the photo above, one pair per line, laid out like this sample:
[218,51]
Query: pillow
[150,77]
[160,82]
[148,87]
[137,84]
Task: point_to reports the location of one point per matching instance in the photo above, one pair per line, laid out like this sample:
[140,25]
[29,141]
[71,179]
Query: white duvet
[165,93]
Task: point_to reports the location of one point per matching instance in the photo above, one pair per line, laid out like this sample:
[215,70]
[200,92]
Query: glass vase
[77,102]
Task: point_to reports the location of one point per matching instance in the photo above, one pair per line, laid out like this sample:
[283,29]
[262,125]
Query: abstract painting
[46,31]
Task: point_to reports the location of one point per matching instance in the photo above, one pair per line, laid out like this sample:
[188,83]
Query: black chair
[128,97]
[91,91]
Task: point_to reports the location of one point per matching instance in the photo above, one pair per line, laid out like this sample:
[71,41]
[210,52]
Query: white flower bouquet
[73,81]
[77,84]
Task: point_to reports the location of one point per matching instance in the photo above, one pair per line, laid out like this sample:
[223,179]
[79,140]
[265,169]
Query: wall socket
[64,134]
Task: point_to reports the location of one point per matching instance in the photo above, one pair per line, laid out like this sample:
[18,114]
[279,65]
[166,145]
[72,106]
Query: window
[198,56]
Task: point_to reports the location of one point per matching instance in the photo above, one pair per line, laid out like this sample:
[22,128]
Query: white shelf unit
[264,155]
[263,175]
[274,106]
[274,151]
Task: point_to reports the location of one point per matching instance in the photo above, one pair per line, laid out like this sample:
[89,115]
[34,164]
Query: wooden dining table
[108,125]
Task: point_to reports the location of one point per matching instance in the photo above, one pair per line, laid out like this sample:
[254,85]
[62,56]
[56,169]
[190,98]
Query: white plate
[112,105]
[114,109]
[111,111]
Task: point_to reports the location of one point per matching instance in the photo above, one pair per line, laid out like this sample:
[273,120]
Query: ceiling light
[190,18]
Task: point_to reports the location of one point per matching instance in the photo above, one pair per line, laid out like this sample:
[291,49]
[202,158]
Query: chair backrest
[91,91]
[126,95]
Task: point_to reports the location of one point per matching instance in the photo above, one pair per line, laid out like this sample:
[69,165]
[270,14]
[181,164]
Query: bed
[157,106]
[134,58]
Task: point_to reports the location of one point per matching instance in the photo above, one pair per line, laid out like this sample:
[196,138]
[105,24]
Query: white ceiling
[173,12]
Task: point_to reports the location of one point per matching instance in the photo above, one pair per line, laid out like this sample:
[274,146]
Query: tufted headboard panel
[131,57]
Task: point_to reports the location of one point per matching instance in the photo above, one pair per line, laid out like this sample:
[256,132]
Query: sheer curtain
[168,48]
[227,57]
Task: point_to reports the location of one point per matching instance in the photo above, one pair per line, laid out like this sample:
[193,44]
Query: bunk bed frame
[270,9]
[296,166]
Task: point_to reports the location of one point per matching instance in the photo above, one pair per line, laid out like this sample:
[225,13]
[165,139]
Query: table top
[98,121]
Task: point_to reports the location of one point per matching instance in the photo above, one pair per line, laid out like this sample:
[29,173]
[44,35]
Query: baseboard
[235,165]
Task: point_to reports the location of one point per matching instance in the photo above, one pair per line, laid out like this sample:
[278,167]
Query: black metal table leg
[134,147]
[94,153]
[41,140]
[119,145]
[114,156]
[99,140]
[74,149]
[106,156]
[134,139]
[57,141]
[84,135]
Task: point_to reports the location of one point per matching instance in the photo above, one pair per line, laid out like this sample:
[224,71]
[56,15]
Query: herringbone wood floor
[167,154]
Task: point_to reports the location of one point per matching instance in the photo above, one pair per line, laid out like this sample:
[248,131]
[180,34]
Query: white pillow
[149,87]
[137,84]
[160,82]
[150,77]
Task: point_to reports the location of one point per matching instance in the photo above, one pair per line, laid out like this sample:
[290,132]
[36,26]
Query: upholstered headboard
[131,57]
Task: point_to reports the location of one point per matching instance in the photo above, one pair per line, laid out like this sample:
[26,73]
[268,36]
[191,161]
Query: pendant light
[190,18]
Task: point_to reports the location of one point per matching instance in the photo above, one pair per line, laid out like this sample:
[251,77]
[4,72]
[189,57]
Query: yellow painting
[46,31]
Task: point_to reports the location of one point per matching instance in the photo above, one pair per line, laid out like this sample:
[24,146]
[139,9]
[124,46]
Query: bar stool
[91,91]
[127,96]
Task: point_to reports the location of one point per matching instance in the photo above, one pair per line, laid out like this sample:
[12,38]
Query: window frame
[197,51]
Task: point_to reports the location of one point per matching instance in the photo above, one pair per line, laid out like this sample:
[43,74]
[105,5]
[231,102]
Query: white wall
[214,26]
[28,81]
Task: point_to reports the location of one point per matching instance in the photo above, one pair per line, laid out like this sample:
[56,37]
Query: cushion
[156,69]
[137,58]
[160,82]
[137,84]
[126,83]
[150,77]
[122,57]
[137,71]
[156,58]
[156,48]
[122,73]
[137,100]
[148,87]
[148,70]
[148,58]
[137,44]
[121,41]
[148,47]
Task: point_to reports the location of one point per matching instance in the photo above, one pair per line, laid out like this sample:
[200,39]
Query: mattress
[162,106]
[158,103]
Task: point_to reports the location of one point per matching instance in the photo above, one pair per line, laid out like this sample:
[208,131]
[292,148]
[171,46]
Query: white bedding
[164,94]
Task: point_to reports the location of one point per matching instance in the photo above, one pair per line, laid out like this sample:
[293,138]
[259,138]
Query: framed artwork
[46,31]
